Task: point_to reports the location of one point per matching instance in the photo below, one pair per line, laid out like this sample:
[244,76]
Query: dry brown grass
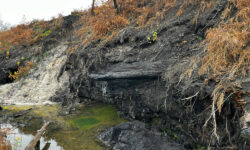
[203,5]
[27,34]
[106,22]
[228,56]
[22,71]
[17,35]
[227,47]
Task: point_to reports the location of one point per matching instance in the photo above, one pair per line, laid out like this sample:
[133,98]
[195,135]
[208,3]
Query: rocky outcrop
[156,82]
[137,136]
[131,71]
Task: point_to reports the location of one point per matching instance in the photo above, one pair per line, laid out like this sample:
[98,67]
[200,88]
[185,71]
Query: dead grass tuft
[17,35]
[26,34]
[228,56]
[106,22]
[22,71]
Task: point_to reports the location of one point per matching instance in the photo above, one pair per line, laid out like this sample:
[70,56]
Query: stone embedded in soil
[136,135]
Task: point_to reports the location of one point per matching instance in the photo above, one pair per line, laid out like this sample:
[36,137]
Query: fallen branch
[33,142]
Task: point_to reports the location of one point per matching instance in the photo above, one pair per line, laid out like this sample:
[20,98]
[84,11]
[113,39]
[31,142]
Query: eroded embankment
[41,83]
[154,81]
[158,82]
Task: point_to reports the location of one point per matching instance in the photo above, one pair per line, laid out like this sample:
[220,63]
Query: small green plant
[46,33]
[18,63]
[200,38]
[175,136]
[198,147]
[45,54]
[155,35]
[152,38]
[5,47]
[8,54]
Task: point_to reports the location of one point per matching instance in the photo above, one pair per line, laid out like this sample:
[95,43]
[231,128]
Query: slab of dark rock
[137,136]
[133,70]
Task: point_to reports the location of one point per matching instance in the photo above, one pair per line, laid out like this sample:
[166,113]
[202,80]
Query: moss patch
[85,123]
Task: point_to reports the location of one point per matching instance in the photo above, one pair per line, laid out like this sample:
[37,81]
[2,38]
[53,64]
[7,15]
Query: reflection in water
[20,140]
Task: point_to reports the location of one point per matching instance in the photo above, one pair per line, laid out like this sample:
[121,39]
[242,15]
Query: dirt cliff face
[40,82]
[36,51]
[150,74]
[157,80]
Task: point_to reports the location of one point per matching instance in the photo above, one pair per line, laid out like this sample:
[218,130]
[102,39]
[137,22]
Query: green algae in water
[85,123]
[95,116]
[75,131]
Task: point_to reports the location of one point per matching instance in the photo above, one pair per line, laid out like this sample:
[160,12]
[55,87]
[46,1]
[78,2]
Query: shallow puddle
[20,140]
[78,131]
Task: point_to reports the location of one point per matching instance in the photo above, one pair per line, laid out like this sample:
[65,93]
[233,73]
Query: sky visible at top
[12,11]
